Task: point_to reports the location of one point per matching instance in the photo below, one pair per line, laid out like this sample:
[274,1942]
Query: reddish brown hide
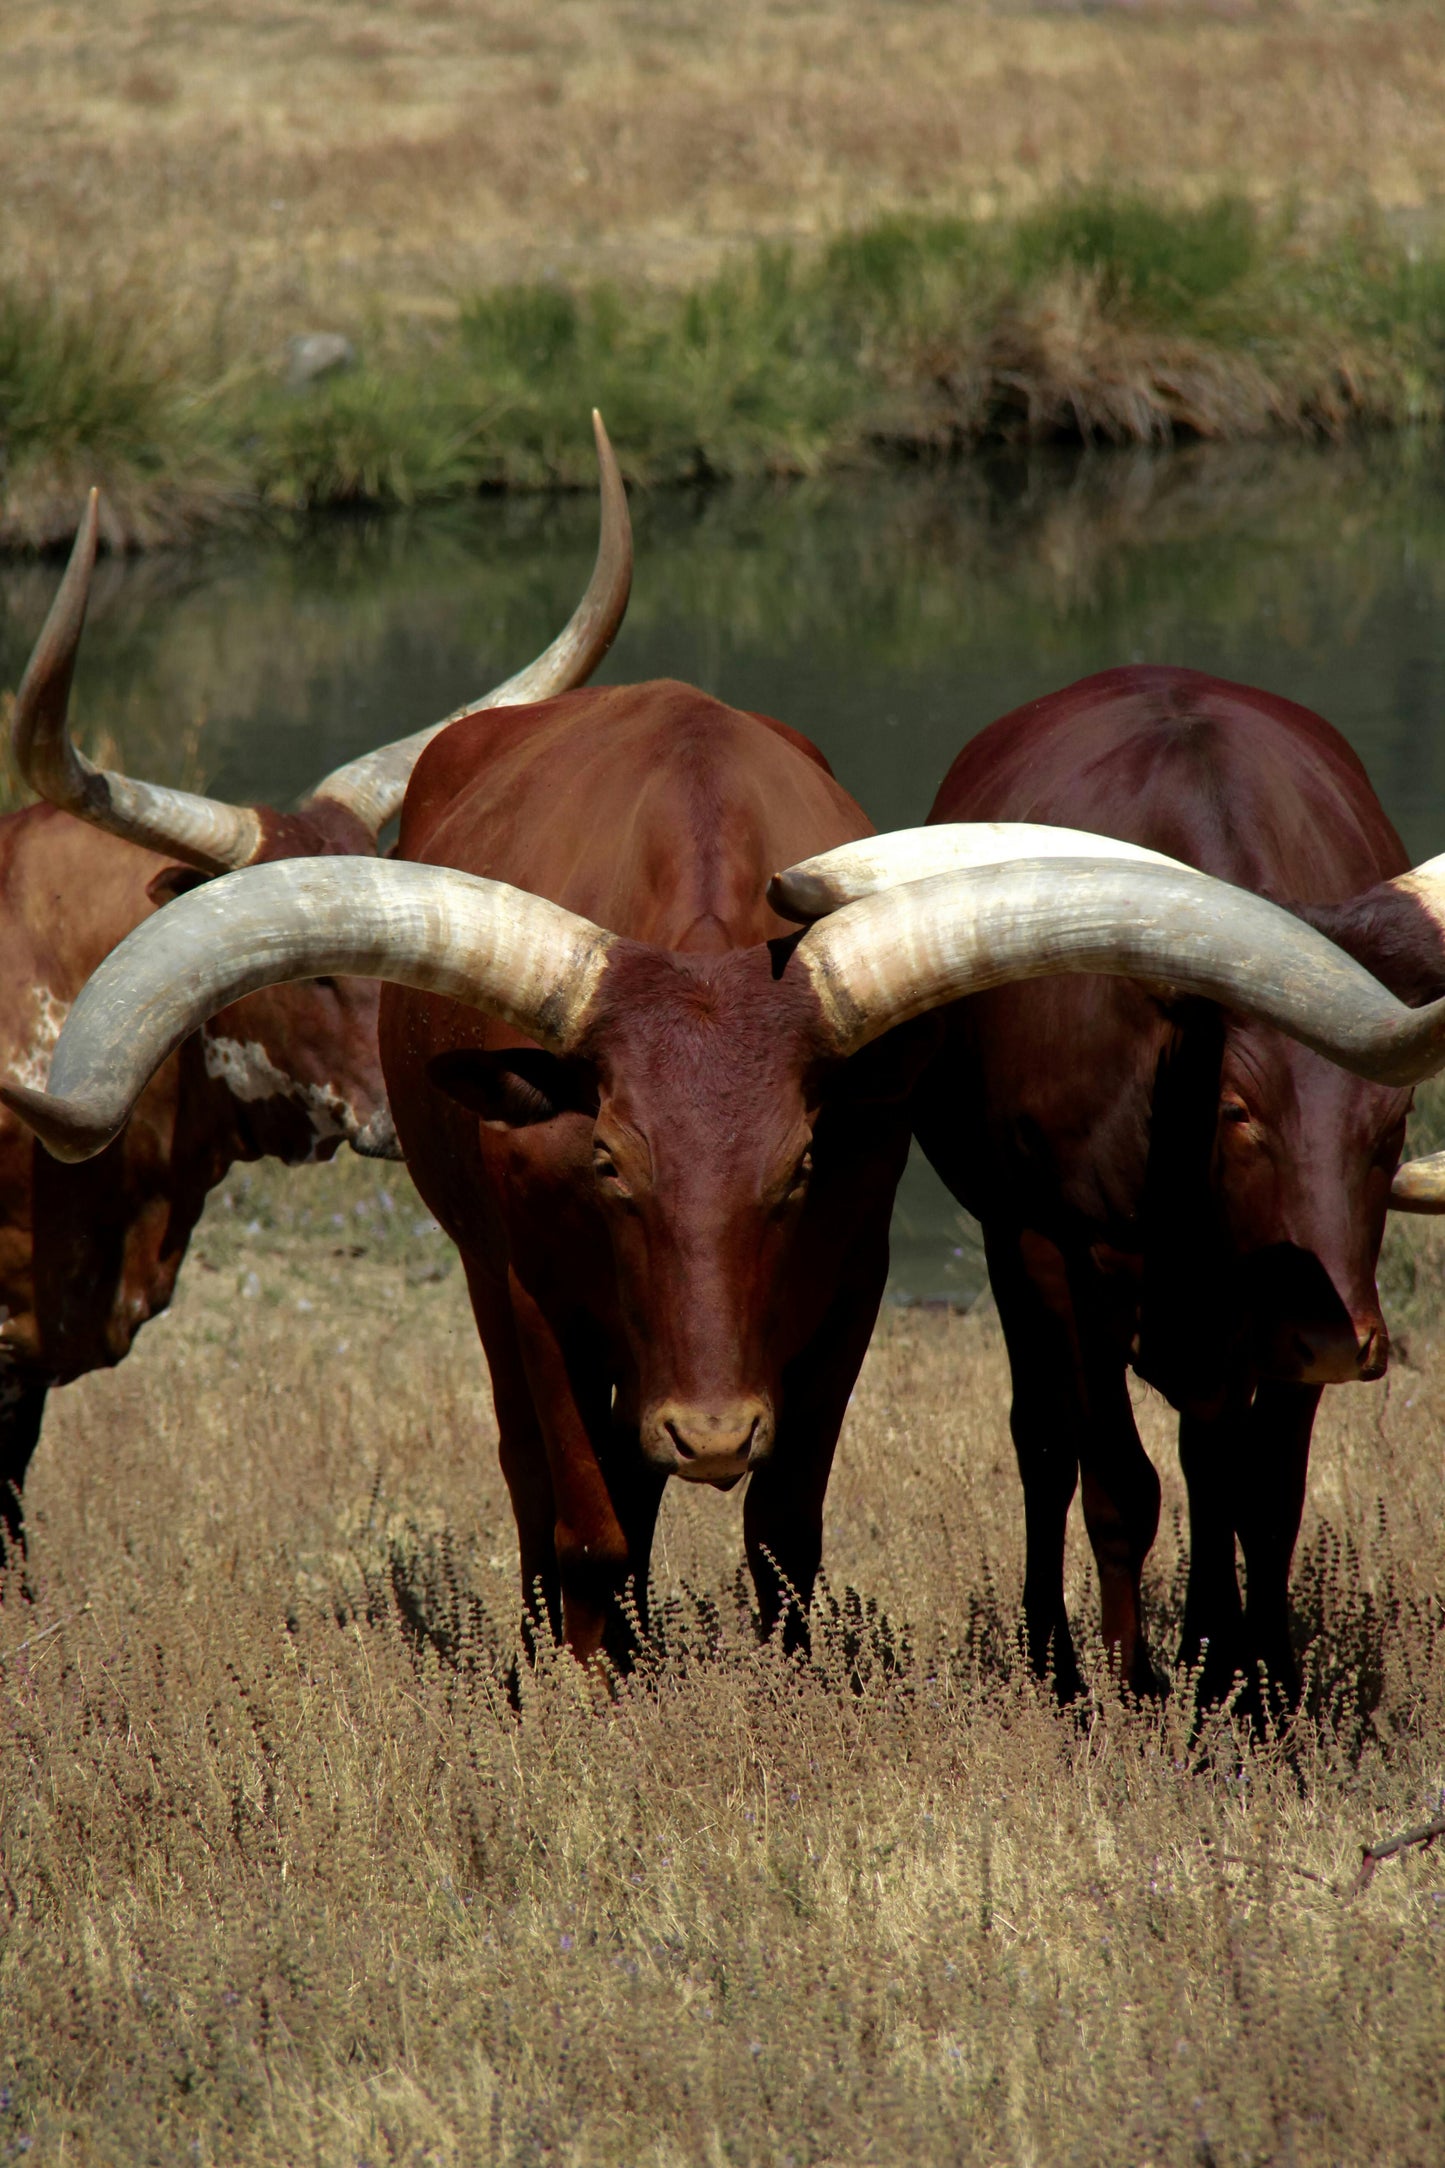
[89,1252]
[675,1242]
[1165,1184]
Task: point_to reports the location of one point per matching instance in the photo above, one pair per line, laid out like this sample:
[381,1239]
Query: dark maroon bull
[1163,1181]
[667,1145]
[88,1254]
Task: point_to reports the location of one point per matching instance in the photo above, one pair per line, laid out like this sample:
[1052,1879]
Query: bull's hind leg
[1070,1413]
[1046,1418]
[1121,1483]
[22,1409]
[1121,1513]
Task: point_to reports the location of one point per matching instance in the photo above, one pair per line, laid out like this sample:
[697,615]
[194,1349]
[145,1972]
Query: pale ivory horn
[494,947]
[872,965]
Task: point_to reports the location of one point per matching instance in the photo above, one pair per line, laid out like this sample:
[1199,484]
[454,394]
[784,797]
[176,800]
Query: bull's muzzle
[1347,1352]
[709,1444]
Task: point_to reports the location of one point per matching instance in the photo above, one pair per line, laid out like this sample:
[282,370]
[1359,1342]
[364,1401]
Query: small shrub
[1161,262]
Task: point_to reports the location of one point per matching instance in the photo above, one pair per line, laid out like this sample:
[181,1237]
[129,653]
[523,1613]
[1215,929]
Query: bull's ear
[1393,933]
[516,1087]
[173,881]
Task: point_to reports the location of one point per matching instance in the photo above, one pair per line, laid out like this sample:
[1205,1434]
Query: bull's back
[653,810]
[1049,1093]
[1241,783]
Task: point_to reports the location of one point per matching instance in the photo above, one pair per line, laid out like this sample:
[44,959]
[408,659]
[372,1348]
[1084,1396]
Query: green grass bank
[1102,317]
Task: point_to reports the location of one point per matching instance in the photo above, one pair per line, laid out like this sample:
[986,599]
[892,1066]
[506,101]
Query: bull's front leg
[22,1409]
[521,1449]
[1246,1471]
[604,1495]
[1213,1635]
[783,1510]
[1270,1497]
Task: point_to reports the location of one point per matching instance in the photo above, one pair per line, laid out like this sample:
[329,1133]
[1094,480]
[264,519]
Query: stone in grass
[317,353]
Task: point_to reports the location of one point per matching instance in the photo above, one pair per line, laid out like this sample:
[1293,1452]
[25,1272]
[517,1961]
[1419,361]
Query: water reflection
[889,616]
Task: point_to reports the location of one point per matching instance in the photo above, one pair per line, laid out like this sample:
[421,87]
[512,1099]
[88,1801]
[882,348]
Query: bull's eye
[604,1166]
[1233,1110]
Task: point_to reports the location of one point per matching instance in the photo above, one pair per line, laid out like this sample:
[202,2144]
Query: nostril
[687,1451]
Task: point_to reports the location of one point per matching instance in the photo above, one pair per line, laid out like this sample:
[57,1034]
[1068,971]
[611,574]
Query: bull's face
[1303,1159]
[704,1147]
[702,1162]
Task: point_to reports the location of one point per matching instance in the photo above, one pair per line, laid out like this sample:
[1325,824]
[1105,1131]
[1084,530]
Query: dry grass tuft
[289,1877]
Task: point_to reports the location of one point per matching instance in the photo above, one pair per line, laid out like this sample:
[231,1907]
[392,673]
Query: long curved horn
[1419,1185]
[373,787]
[204,832]
[929,942]
[496,948]
[816,886]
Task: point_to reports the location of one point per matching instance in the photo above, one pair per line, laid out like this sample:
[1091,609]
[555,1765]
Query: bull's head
[810,1008]
[1303,1158]
[703,1147]
[300,1063]
[1300,1160]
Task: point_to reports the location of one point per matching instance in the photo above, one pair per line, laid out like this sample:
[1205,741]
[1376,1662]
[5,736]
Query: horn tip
[787,895]
[606,457]
[802,896]
[1417,1191]
[63,1127]
[87,532]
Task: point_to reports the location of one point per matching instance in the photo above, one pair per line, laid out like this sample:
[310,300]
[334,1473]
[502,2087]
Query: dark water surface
[890,616]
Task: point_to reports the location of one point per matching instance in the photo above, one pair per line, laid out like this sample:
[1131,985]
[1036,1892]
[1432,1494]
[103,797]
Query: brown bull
[1167,1182]
[88,1254]
[665,1137]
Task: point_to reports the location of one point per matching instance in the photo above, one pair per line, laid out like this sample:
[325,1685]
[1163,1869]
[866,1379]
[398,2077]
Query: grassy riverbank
[1097,316]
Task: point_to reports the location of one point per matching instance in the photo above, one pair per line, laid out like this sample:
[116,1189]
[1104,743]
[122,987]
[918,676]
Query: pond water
[889,615]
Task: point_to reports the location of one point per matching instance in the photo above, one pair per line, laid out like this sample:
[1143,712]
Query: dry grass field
[287,1877]
[279,160]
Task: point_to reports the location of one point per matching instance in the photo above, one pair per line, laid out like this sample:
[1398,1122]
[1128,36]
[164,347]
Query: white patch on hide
[32,1067]
[249,1074]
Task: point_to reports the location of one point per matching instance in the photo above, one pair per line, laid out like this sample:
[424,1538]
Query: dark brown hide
[675,1242]
[89,1252]
[1163,1183]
